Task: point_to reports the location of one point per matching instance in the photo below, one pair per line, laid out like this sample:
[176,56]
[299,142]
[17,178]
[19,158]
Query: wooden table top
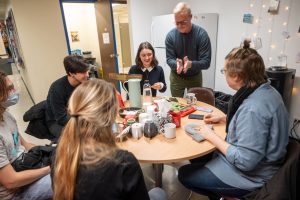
[183,147]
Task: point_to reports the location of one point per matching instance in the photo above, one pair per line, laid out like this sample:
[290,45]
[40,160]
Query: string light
[270,31]
[286,8]
[273,46]
[263,5]
[284,23]
[251,5]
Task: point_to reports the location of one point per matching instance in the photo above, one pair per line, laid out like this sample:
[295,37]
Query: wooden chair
[203,94]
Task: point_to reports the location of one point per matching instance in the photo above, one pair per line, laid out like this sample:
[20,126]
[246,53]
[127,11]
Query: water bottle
[147,94]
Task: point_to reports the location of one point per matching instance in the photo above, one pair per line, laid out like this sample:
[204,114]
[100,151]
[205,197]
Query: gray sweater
[195,45]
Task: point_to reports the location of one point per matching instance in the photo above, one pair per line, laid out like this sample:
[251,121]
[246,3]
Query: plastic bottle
[147,94]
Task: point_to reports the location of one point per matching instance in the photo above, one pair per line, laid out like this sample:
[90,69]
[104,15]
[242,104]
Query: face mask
[11,100]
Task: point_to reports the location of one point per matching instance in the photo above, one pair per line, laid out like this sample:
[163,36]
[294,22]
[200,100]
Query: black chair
[285,184]
[203,94]
[37,126]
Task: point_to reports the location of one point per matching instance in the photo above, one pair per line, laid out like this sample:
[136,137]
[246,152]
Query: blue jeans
[38,190]
[201,180]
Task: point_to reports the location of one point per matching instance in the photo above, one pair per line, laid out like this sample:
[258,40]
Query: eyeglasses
[182,23]
[223,70]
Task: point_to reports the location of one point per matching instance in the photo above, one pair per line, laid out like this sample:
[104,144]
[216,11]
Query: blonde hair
[182,8]
[87,138]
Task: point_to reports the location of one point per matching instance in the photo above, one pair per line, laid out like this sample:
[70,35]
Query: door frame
[113,29]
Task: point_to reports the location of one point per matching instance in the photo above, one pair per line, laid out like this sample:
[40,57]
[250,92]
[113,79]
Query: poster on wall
[74,36]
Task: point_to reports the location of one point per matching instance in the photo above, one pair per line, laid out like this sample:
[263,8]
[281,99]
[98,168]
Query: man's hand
[187,64]
[179,65]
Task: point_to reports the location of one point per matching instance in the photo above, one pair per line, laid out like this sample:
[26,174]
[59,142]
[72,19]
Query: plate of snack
[129,111]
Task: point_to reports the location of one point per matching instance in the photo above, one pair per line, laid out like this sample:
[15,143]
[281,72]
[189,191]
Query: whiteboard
[160,27]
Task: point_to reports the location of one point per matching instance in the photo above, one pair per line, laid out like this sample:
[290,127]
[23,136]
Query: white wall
[231,31]
[81,17]
[41,33]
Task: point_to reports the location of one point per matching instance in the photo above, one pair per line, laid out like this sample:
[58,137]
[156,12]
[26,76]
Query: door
[105,35]
[107,43]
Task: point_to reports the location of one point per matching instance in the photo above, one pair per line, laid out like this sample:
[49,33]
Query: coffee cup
[169,130]
[137,130]
[143,117]
[191,99]
[130,121]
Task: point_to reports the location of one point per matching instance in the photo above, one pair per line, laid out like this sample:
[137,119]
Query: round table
[160,150]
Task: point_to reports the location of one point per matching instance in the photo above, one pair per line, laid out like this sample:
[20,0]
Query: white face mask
[11,100]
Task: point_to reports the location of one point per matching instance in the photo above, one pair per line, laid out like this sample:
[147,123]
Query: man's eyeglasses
[182,23]
[223,70]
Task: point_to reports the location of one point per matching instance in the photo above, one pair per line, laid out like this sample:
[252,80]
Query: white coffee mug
[137,130]
[169,130]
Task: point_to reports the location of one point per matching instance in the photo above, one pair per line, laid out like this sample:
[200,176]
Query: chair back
[204,94]
[285,184]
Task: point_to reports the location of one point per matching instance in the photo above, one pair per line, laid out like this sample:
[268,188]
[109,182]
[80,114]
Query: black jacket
[37,122]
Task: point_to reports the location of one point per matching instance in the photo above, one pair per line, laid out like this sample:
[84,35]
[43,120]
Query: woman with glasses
[88,163]
[257,133]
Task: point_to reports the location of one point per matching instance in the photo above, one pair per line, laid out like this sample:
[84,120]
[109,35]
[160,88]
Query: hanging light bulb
[251,5]
[284,23]
[263,5]
[270,31]
[286,8]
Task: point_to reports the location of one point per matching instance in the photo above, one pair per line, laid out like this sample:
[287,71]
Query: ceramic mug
[143,117]
[169,130]
[137,130]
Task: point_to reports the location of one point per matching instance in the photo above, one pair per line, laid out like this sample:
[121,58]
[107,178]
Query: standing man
[188,51]
[60,92]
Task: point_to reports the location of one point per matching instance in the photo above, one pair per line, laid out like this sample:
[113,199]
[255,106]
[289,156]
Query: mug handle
[123,86]
[194,100]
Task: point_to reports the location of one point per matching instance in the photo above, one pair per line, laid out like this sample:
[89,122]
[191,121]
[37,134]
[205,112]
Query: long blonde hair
[87,138]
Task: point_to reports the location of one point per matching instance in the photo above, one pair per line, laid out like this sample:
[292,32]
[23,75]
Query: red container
[176,118]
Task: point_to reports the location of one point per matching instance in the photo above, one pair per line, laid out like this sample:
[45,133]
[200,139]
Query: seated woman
[29,184]
[88,164]
[147,65]
[257,133]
